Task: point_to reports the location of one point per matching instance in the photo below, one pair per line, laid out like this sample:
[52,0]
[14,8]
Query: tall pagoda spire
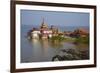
[43,24]
[42,21]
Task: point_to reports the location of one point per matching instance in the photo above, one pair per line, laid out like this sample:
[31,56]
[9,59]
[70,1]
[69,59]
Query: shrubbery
[84,40]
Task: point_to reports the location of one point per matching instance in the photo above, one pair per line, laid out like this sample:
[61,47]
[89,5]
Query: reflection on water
[36,50]
[46,50]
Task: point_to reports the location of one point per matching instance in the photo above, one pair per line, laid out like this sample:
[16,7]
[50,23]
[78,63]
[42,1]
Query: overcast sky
[33,17]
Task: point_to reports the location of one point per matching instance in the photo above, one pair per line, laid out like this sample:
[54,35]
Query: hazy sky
[33,17]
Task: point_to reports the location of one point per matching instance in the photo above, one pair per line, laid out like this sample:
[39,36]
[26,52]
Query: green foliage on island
[77,40]
[84,40]
[57,38]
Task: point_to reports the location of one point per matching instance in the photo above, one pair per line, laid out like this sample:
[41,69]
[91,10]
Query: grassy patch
[59,38]
[84,40]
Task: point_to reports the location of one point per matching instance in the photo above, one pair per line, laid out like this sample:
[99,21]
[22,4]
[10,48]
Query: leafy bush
[82,40]
[58,38]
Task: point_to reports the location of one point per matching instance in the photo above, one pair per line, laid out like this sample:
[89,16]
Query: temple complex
[45,32]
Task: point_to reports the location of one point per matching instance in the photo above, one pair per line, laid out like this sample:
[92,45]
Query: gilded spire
[43,24]
[42,21]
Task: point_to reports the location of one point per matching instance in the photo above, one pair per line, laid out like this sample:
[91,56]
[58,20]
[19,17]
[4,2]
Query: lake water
[43,50]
